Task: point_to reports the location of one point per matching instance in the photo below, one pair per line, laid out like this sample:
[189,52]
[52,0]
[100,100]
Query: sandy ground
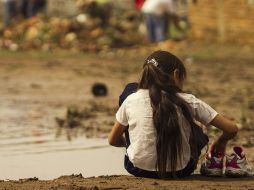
[40,89]
[128,182]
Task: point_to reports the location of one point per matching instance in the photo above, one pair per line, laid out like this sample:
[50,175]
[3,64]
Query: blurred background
[63,64]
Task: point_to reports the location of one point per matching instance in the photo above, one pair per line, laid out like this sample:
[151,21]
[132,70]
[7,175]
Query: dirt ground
[45,86]
[128,182]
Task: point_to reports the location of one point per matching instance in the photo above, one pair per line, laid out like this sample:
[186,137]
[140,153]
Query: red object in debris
[139,3]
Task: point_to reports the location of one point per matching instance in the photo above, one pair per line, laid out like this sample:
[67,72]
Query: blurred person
[156,18]
[24,8]
[139,3]
[10,11]
[163,139]
[35,6]
[180,15]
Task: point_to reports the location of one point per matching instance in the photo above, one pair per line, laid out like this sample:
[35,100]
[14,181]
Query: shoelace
[202,157]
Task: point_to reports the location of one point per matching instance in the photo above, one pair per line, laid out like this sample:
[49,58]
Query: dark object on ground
[99,89]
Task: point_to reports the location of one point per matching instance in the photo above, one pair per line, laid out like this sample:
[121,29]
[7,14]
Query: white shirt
[158,7]
[136,111]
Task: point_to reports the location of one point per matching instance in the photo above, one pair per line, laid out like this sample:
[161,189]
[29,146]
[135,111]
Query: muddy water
[29,148]
[47,158]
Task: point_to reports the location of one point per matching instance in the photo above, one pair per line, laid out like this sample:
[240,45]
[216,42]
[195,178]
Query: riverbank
[36,88]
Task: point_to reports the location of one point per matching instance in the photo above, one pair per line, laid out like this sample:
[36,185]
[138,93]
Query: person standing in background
[139,4]
[24,7]
[10,11]
[35,6]
[156,16]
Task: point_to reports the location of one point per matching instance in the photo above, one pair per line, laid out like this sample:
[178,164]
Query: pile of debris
[94,120]
[97,27]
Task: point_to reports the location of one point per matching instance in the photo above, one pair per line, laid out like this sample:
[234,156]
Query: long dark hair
[157,78]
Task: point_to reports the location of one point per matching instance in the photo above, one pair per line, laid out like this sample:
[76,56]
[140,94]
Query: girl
[160,122]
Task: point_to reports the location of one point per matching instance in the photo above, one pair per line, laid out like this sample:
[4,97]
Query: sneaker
[237,165]
[213,165]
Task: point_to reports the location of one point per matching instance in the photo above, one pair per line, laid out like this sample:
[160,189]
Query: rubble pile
[97,27]
[93,120]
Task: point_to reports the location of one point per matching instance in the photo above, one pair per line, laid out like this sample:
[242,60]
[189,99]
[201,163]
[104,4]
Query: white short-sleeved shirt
[157,7]
[136,111]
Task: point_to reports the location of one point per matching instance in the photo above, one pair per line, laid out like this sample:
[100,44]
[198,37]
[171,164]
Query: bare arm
[229,130]
[115,137]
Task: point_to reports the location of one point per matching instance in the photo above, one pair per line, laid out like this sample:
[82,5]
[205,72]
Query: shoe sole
[211,172]
[233,172]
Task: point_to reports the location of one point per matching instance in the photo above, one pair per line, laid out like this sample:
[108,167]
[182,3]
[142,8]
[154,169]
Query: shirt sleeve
[202,111]
[121,115]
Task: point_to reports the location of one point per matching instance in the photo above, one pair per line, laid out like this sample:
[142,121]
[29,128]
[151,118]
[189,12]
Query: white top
[157,7]
[136,111]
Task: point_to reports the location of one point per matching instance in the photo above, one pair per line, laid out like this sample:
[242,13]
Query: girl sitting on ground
[162,137]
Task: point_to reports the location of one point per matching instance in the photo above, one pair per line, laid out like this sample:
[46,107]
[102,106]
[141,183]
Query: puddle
[28,149]
[53,158]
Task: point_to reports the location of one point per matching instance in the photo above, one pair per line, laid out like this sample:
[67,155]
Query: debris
[248,142]
[85,120]
[97,27]
[29,179]
[99,89]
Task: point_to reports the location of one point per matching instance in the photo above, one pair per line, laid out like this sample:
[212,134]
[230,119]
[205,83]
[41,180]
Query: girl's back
[136,111]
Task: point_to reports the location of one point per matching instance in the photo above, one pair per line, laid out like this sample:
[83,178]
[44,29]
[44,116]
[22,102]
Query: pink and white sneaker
[237,165]
[213,165]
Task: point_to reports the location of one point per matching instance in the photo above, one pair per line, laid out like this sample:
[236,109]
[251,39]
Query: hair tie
[153,61]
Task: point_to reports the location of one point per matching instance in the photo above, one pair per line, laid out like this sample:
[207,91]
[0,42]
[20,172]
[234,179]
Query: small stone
[155,183]
[13,47]
[95,188]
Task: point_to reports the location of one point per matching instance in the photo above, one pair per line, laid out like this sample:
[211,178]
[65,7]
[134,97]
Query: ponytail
[165,102]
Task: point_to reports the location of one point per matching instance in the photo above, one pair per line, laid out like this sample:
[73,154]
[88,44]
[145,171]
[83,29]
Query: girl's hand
[229,130]
[219,147]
